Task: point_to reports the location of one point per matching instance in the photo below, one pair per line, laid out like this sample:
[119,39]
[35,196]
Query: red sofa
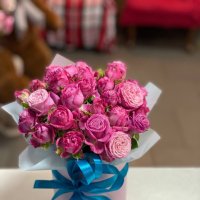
[162,13]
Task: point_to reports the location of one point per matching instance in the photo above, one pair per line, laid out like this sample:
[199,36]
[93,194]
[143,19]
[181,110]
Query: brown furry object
[34,52]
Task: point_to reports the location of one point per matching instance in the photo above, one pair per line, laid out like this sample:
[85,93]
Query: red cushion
[166,13]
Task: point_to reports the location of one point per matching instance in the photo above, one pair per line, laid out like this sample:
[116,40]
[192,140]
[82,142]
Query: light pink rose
[72,97]
[116,70]
[119,119]
[27,120]
[110,98]
[56,78]
[36,84]
[97,132]
[140,122]
[105,84]
[70,143]
[40,101]
[42,134]
[119,146]
[22,96]
[61,118]
[130,94]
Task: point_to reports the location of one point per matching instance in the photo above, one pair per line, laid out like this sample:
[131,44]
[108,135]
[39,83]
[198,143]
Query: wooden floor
[177,115]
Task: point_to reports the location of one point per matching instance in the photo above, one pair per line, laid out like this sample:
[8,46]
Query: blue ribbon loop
[84,174]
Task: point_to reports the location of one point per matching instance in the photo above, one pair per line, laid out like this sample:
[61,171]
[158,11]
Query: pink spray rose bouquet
[76,110]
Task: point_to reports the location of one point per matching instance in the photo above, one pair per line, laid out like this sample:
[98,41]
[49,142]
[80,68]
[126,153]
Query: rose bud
[22,96]
[72,97]
[105,84]
[56,78]
[119,146]
[119,119]
[70,143]
[61,118]
[140,122]
[40,101]
[130,94]
[110,98]
[116,70]
[36,84]
[98,131]
[27,120]
[42,135]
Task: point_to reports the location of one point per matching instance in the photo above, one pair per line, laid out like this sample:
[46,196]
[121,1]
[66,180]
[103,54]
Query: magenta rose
[105,84]
[97,106]
[22,96]
[40,101]
[110,98]
[131,95]
[119,119]
[27,120]
[56,78]
[37,84]
[97,131]
[71,70]
[119,146]
[61,118]
[116,70]
[70,143]
[85,79]
[42,134]
[72,96]
[140,122]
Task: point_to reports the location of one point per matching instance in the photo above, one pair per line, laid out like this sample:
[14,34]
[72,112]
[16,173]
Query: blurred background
[157,39]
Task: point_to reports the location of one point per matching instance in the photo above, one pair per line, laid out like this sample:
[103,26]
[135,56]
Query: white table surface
[143,184]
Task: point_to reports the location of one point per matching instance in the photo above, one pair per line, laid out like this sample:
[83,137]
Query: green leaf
[78,155]
[46,146]
[101,73]
[25,105]
[136,136]
[134,141]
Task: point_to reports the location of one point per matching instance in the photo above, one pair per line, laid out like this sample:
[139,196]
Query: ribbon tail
[82,196]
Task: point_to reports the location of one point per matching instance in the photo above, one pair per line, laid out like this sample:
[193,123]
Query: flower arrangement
[79,110]
[90,122]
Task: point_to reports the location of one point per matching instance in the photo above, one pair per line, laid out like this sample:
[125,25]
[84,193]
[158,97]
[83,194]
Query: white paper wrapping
[39,159]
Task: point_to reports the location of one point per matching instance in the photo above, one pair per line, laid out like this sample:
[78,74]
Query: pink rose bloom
[131,95]
[116,70]
[22,96]
[70,143]
[110,98]
[85,78]
[61,118]
[40,101]
[119,119]
[105,84]
[37,84]
[140,122]
[27,120]
[56,78]
[97,106]
[42,134]
[72,96]
[71,70]
[97,131]
[119,146]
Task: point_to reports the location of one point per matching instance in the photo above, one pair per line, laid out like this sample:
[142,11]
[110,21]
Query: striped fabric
[89,24]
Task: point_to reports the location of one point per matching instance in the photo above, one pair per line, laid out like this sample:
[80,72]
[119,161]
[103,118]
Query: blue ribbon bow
[83,173]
